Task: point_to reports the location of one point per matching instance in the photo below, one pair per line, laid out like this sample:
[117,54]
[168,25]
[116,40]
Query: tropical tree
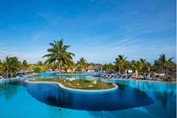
[136,65]
[58,53]
[1,66]
[146,66]
[37,69]
[108,67]
[164,64]
[121,63]
[10,66]
[24,64]
[67,65]
[81,64]
[39,63]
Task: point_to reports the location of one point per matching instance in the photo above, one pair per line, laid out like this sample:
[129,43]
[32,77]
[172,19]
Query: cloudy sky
[97,30]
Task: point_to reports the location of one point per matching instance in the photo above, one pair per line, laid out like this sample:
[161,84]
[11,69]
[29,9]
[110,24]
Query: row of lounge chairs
[3,77]
[7,77]
[115,76]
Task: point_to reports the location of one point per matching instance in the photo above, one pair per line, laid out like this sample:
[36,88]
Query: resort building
[96,68]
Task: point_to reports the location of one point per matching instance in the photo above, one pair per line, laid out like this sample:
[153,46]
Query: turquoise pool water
[56,75]
[141,99]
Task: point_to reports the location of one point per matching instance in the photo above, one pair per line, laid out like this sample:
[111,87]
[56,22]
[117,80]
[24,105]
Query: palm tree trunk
[7,73]
[54,66]
[166,72]
[136,73]
[59,70]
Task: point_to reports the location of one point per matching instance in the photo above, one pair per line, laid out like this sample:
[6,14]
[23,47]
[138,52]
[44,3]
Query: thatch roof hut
[93,68]
[99,67]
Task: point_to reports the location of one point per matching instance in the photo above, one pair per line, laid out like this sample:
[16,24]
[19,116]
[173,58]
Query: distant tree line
[60,58]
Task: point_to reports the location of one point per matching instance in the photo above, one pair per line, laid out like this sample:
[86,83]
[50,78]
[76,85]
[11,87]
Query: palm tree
[143,63]
[1,67]
[146,66]
[81,64]
[137,67]
[39,63]
[24,64]
[121,63]
[108,67]
[163,63]
[141,66]
[68,65]
[10,65]
[58,52]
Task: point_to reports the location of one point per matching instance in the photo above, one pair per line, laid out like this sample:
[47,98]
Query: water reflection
[7,91]
[163,94]
[125,97]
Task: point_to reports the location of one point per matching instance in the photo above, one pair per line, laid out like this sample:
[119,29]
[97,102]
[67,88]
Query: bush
[37,69]
[167,79]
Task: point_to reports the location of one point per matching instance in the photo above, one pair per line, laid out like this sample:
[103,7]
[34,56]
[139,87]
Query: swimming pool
[56,75]
[133,99]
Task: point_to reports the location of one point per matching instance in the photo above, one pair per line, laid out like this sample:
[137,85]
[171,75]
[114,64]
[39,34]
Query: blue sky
[97,30]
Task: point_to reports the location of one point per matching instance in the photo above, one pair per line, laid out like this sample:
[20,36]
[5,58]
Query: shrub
[37,69]
[167,79]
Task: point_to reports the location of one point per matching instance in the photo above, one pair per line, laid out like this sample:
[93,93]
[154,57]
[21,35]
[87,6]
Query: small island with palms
[78,84]
[58,54]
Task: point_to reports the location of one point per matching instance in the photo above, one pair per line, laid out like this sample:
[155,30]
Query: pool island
[80,85]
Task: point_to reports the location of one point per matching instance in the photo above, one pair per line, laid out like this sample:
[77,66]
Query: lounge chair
[104,76]
[110,76]
[115,76]
[1,77]
[4,77]
[21,76]
[123,77]
[118,77]
[128,77]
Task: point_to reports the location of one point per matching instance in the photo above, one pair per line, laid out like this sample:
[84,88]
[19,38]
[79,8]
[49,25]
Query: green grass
[80,84]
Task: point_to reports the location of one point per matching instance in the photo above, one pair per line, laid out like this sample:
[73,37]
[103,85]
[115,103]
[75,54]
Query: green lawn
[80,84]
